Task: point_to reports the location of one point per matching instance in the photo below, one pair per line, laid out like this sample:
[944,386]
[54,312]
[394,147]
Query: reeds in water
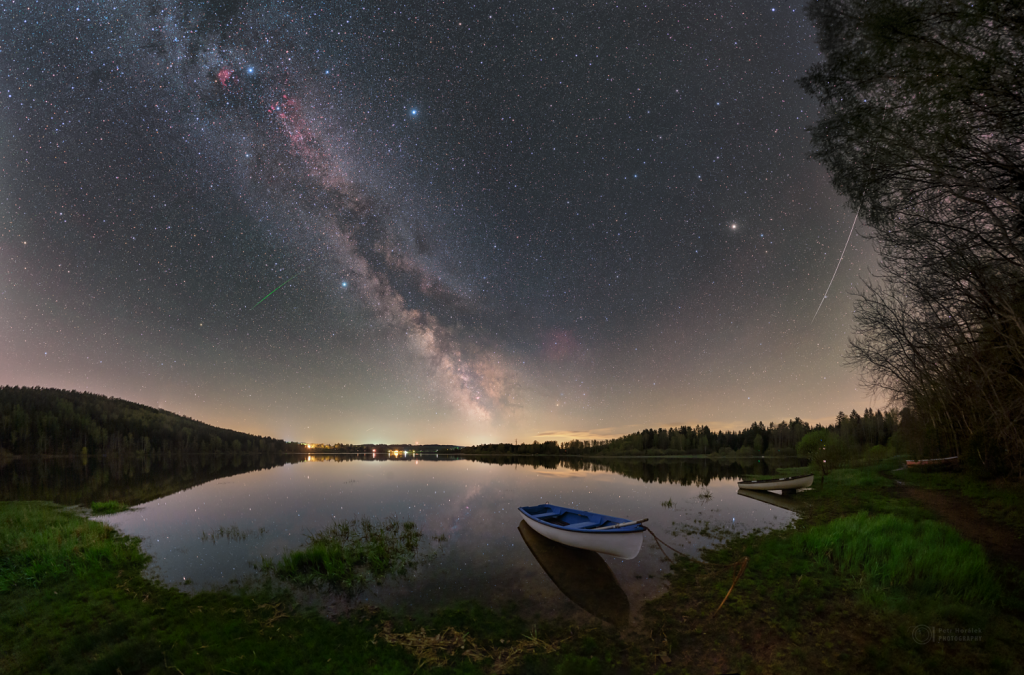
[346,555]
[233,533]
[104,508]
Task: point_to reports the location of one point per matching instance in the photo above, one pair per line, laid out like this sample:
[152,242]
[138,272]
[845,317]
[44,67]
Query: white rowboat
[582,529]
[791,483]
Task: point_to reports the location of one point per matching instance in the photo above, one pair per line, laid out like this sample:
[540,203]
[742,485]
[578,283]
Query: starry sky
[483,221]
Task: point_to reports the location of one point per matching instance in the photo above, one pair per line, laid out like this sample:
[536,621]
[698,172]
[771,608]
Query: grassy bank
[867,580]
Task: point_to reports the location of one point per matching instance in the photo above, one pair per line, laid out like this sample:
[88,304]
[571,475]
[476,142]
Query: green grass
[43,543]
[889,551]
[103,508]
[840,590]
[347,555]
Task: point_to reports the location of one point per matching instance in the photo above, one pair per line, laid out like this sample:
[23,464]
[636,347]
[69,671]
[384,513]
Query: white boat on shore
[791,483]
[941,461]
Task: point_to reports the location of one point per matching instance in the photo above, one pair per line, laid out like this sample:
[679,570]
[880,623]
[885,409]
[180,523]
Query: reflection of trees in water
[130,479]
[136,478]
[133,478]
[681,471]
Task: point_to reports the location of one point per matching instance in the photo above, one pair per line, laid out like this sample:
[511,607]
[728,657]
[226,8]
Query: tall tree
[922,129]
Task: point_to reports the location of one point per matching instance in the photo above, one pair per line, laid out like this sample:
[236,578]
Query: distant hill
[36,421]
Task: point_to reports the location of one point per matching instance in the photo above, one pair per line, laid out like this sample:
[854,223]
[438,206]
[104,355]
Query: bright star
[413,112]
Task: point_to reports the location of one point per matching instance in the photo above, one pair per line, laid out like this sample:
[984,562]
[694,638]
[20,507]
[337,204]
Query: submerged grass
[104,508]
[233,533]
[707,529]
[889,551]
[347,555]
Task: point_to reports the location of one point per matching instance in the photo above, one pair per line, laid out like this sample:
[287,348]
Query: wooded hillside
[36,421]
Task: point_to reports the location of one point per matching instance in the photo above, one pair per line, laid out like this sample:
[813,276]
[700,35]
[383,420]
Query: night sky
[488,221]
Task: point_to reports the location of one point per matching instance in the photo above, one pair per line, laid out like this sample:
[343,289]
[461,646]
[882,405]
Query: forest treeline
[53,422]
[850,435]
[37,421]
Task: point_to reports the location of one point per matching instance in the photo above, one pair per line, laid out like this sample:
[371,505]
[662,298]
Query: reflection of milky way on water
[473,504]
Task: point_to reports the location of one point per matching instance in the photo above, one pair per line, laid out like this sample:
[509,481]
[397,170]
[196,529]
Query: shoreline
[799,609]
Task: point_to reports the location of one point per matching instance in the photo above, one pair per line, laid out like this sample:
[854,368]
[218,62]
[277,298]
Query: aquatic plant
[104,508]
[232,533]
[719,533]
[704,496]
[346,555]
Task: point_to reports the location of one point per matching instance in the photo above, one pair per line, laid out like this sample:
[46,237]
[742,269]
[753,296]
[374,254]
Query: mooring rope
[742,562]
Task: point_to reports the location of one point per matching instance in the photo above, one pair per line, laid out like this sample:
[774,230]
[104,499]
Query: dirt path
[1000,541]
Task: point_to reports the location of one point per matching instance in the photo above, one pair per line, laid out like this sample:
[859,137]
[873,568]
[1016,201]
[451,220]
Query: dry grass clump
[436,650]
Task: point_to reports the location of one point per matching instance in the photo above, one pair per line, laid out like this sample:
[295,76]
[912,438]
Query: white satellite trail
[884,113]
[837,265]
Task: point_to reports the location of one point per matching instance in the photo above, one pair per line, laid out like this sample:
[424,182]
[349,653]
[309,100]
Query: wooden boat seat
[585,525]
[566,521]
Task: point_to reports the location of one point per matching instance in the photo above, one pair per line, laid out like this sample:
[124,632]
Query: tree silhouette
[922,129]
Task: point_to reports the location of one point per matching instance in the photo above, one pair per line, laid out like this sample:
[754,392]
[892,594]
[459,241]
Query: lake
[233,512]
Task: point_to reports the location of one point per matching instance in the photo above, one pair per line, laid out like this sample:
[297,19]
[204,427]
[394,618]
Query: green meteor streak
[273,291]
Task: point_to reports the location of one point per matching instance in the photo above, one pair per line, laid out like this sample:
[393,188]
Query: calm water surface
[215,533]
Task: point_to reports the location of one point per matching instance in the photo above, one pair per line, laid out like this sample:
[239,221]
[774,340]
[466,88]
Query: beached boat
[790,483]
[941,461]
[590,531]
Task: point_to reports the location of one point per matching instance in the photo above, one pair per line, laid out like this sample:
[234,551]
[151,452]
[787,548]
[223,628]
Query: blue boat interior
[570,519]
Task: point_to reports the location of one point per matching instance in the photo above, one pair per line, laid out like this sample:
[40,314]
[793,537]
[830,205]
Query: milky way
[495,222]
